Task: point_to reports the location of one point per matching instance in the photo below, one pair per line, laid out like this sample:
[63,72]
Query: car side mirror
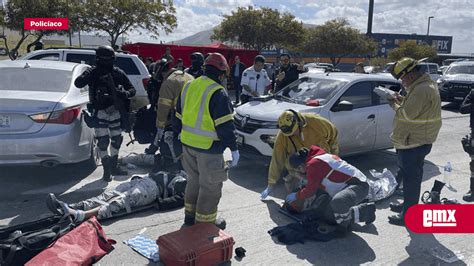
[342,106]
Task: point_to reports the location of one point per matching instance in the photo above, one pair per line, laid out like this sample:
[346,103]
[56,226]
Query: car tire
[94,159]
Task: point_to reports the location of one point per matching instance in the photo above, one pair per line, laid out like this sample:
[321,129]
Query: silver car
[40,114]
[363,119]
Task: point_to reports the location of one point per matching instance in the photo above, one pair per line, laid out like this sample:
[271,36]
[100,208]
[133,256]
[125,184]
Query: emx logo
[433,218]
[440,218]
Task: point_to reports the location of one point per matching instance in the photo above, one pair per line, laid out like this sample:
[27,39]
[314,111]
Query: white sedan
[363,119]
[40,114]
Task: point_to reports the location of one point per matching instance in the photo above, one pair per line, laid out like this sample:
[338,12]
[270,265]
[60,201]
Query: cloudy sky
[451,17]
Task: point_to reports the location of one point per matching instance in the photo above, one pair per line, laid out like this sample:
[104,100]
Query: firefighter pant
[109,133]
[206,174]
[125,197]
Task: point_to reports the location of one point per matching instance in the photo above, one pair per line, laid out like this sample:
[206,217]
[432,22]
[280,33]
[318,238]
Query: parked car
[325,66]
[457,81]
[135,69]
[3,51]
[363,119]
[40,114]
[431,68]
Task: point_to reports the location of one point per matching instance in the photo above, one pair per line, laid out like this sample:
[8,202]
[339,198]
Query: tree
[413,50]
[12,17]
[116,17]
[259,28]
[337,39]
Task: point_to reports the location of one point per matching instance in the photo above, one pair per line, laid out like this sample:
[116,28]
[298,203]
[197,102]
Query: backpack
[20,243]
[144,129]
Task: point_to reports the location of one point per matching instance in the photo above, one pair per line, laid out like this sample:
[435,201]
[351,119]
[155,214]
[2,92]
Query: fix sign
[440,218]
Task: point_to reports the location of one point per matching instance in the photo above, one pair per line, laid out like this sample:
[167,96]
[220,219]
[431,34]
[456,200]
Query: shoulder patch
[245,74]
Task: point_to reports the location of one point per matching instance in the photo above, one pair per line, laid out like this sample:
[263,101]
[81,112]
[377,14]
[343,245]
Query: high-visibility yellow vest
[197,124]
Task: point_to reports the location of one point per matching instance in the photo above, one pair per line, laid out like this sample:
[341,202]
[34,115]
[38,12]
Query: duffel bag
[20,243]
[84,245]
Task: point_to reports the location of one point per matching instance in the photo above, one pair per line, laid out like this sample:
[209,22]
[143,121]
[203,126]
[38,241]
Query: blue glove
[235,158]
[266,192]
[291,197]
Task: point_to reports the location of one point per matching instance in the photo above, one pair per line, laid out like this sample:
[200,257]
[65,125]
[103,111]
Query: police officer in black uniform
[109,93]
[467,141]
[196,68]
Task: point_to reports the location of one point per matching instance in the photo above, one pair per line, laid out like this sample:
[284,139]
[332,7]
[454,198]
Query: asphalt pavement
[23,191]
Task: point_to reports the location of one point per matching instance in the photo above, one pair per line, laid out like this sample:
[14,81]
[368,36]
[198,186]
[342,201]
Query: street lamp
[428,31]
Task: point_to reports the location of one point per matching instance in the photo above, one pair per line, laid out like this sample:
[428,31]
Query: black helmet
[105,52]
[163,66]
[105,57]
[197,56]
[39,45]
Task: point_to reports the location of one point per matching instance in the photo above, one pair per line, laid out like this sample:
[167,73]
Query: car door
[384,116]
[357,128]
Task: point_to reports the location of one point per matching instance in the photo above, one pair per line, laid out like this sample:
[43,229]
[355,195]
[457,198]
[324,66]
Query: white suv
[363,119]
[135,69]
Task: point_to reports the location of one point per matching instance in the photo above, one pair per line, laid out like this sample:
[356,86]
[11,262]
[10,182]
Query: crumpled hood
[272,109]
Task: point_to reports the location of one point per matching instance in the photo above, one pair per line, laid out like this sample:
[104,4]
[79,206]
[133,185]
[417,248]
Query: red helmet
[218,61]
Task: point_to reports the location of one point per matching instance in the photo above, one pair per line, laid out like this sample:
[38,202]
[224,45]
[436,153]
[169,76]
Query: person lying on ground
[166,189]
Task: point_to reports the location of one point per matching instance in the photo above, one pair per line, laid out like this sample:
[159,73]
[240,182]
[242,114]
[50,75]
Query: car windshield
[35,79]
[308,89]
[460,69]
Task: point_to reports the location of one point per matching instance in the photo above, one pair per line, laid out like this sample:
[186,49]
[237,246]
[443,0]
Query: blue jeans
[410,162]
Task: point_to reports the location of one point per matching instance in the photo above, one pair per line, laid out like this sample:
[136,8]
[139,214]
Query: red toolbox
[200,244]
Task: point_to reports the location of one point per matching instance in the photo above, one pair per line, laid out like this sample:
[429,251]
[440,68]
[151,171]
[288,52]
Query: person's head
[259,63]
[148,61]
[237,59]
[168,51]
[180,62]
[297,160]
[162,68]
[105,57]
[291,122]
[197,59]
[407,69]
[359,68]
[177,185]
[285,59]
[216,68]
[39,45]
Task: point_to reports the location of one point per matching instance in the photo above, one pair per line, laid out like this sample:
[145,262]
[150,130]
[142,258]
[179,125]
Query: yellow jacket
[418,116]
[169,92]
[318,131]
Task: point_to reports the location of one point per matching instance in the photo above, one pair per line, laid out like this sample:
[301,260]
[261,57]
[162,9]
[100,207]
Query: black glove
[151,149]
[90,108]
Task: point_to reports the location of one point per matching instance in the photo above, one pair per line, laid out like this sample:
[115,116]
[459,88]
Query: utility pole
[428,31]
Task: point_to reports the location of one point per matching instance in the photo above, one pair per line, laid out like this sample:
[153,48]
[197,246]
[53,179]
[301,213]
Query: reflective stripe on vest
[198,130]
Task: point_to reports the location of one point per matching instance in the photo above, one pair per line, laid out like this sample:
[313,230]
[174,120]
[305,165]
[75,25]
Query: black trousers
[410,162]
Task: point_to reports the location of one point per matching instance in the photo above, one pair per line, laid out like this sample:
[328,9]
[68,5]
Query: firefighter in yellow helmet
[298,130]
[416,126]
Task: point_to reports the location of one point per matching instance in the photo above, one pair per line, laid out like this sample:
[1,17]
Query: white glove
[266,192]
[235,158]
[159,134]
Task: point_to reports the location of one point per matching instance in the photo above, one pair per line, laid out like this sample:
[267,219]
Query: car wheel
[94,159]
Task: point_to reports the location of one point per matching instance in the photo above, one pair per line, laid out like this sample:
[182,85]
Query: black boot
[188,220]
[115,169]
[366,213]
[221,223]
[433,197]
[106,165]
[469,196]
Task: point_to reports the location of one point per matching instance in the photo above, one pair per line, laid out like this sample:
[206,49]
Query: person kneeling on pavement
[164,188]
[297,130]
[334,191]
